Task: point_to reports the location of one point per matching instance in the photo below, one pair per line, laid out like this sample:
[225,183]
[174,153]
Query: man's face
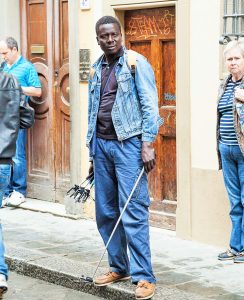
[9,55]
[109,38]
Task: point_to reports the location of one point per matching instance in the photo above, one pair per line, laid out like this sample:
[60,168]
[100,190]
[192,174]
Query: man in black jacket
[27,76]
[9,127]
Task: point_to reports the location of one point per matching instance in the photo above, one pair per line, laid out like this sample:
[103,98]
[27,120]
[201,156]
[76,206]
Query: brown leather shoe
[109,278]
[145,290]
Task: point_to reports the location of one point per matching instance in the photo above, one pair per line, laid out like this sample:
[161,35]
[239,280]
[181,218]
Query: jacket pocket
[124,82]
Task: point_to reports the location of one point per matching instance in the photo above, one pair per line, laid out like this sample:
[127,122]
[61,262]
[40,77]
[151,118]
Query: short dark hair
[107,20]
[11,43]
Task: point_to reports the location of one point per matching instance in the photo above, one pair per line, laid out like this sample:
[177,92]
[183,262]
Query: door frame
[183,107]
[75,106]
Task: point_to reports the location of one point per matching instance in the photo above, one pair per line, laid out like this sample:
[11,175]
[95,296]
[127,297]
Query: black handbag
[13,96]
[27,114]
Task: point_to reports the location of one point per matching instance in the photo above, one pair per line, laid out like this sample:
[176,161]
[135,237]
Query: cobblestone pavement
[26,288]
[184,269]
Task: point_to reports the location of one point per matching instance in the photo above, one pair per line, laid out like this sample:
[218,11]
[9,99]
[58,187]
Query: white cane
[116,225]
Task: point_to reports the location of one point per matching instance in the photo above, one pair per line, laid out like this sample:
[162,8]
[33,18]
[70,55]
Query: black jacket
[9,116]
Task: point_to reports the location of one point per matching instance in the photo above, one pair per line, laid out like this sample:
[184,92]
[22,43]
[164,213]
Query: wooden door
[151,32]
[44,41]
[62,104]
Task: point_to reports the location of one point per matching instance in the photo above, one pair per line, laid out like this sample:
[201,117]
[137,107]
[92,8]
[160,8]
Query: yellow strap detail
[131,58]
[92,72]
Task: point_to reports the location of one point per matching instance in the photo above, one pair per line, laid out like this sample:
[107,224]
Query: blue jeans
[5,171]
[117,166]
[18,179]
[233,171]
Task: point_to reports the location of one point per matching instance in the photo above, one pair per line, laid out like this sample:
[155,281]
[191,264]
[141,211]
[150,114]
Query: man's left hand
[148,156]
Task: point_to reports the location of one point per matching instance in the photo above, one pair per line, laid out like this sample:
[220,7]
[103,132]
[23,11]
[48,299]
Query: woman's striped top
[225,107]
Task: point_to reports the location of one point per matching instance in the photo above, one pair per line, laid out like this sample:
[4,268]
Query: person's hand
[239,94]
[148,156]
[91,169]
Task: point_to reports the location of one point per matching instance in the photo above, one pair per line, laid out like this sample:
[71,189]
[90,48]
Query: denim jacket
[239,134]
[135,109]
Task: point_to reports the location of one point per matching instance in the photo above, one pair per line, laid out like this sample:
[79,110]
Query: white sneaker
[15,199]
[3,284]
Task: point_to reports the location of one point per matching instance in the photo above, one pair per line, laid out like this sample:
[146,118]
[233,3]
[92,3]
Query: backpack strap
[92,72]
[131,60]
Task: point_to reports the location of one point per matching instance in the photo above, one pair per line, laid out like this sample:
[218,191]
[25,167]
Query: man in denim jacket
[123,121]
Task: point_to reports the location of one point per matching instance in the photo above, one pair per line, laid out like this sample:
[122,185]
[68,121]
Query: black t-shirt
[109,86]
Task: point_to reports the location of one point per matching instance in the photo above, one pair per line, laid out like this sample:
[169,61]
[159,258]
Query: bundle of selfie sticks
[80,193]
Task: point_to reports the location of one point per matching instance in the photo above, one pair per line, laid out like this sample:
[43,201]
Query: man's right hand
[91,169]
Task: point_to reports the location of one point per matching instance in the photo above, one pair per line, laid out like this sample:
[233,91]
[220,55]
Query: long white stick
[116,225]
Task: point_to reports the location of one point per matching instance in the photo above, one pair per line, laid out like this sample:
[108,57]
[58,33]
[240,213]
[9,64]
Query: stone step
[167,206]
[162,214]
[162,220]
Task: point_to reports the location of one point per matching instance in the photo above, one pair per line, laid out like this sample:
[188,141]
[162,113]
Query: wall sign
[85,63]
[37,49]
[85,4]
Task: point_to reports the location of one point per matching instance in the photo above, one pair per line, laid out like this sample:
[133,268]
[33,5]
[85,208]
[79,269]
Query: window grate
[233,20]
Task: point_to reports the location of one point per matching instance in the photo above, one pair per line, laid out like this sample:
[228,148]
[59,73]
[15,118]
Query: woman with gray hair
[230,144]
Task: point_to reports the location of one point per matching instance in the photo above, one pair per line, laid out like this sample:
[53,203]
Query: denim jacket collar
[98,64]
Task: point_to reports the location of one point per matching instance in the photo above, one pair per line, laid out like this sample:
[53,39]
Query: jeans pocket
[136,141]
[141,194]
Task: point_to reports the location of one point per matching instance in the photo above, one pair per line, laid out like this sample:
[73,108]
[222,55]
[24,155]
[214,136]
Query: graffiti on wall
[149,26]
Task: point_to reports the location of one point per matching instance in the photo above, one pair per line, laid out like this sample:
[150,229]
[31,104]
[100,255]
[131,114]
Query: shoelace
[109,273]
[144,284]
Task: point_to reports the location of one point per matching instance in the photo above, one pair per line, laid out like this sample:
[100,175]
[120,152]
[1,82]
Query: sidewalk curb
[55,209]
[60,251]
[66,280]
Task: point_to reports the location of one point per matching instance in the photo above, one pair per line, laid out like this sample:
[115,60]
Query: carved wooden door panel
[151,32]
[62,105]
[44,41]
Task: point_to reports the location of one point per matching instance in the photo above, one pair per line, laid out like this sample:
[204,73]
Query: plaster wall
[207,204]
[87,40]
[210,206]
[10,19]
[204,70]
